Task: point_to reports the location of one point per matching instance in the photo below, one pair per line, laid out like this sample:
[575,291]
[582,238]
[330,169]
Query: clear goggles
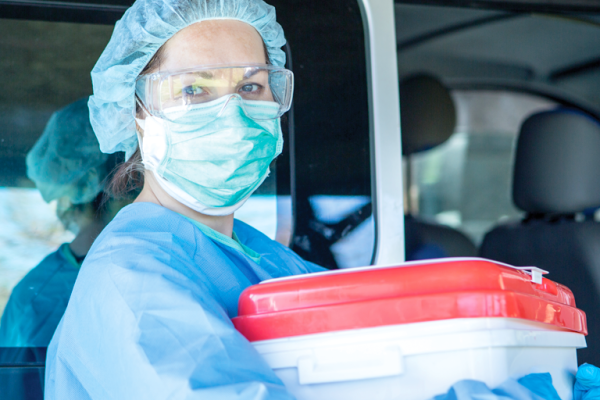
[164,94]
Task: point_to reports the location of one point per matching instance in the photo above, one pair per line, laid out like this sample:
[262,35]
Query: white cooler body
[420,360]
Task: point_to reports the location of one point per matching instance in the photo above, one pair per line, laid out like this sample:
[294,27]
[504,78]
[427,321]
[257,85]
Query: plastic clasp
[535,272]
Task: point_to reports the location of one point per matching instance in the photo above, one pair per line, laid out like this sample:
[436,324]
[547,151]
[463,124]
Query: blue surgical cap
[66,161]
[144,28]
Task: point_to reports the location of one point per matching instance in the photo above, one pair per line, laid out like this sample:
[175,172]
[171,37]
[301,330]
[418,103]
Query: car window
[43,67]
[326,141]
[46,66]
[260,210]
[30,231]
[490,59]
[329,144]
[348,223]
[465,183]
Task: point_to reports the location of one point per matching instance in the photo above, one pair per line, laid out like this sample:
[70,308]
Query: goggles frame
[148,87]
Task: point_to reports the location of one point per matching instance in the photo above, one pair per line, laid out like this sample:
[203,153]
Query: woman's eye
[193,90]
[249,88]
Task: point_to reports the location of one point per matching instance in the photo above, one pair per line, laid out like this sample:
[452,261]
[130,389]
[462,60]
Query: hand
[587,383]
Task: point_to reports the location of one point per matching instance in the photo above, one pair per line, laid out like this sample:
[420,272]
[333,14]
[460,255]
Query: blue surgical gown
[38,301]
[149,317]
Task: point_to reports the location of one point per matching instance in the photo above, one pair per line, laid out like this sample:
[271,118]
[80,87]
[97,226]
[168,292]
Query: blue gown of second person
[39,300]
[150,313]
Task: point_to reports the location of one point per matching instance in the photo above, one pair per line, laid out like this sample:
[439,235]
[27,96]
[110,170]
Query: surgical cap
[66,161]
[144,28]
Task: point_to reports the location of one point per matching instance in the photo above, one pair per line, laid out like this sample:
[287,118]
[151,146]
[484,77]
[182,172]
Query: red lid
[377,296]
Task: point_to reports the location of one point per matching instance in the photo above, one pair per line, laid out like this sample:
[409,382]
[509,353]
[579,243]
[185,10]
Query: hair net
[146,26]
[66,161]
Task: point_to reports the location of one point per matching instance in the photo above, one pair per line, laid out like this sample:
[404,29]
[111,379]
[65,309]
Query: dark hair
[128,176]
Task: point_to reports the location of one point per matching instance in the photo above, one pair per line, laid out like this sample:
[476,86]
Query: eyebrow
[252,72]
[206,74]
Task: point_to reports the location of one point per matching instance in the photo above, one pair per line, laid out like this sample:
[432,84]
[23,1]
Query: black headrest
[427,113]
[557,164]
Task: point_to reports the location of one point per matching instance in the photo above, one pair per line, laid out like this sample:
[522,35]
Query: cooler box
[412,331]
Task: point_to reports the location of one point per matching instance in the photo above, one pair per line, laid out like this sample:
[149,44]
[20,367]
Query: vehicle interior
[470,75]
[522,192]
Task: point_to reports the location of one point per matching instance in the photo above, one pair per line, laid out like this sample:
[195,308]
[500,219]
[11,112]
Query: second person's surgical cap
[144,28]
[66,161]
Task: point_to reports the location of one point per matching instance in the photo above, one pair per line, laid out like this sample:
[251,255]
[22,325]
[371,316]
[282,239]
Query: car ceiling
[557,55]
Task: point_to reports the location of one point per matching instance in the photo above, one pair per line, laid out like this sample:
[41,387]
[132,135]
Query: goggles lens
[162,93]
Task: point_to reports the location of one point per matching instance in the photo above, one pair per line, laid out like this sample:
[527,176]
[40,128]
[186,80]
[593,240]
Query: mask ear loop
[141,124]
[141,145]
[142,106]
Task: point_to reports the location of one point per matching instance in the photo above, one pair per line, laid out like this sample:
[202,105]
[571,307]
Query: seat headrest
[427,113]
[557,164]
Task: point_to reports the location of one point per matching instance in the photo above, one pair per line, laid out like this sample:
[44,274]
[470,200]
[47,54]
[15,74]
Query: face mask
[212,157]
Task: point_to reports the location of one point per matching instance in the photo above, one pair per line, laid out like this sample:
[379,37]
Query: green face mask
[212,157]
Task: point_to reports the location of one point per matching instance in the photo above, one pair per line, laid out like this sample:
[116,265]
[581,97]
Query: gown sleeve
[143,324]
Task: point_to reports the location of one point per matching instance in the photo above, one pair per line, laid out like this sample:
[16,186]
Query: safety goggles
[167,93]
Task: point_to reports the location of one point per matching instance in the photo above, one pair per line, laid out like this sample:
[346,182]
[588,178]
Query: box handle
[350,363]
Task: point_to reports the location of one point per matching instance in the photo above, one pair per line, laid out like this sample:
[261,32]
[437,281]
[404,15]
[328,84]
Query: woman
[199,84]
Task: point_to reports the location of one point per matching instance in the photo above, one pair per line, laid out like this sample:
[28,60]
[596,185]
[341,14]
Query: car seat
[556,177]
[428,118]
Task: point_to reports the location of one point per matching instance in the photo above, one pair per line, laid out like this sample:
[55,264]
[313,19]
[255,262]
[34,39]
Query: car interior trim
[386,148]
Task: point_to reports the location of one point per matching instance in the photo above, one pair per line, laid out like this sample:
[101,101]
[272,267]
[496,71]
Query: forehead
[214,42]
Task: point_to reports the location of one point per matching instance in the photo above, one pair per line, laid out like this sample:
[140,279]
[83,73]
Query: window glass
[30,231]
[348,220]
[260,210]
[44,66]
[465,183]
[42,80]
[329,145]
